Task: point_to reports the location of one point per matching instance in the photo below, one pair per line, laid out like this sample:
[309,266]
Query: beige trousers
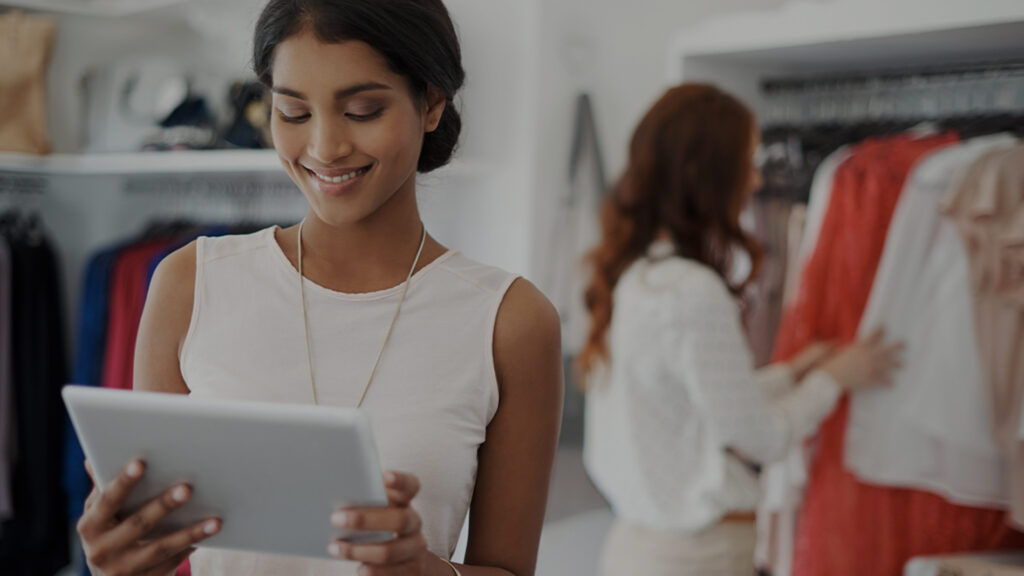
[725,549]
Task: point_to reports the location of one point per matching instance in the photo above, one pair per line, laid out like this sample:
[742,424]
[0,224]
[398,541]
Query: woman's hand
[120,547]
[407,554]
[869,362]
[810,358]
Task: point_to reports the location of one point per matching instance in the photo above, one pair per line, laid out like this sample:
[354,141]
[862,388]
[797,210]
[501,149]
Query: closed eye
[292,119]
[366,117]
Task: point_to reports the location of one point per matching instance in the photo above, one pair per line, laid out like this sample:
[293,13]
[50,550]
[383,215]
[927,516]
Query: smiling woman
[457,363]
[364,136]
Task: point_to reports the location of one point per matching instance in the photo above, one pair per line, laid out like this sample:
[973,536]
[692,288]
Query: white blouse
[680,395]
[932,429]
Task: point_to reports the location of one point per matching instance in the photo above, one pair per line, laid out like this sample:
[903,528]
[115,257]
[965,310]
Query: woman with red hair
[677,415]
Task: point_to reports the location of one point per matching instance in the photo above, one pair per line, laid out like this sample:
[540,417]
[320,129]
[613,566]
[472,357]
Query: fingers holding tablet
[108,501]
[407,552]
[171,547]
[114,545]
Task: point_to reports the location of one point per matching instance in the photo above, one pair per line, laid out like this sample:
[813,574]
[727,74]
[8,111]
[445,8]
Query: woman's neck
[373,254]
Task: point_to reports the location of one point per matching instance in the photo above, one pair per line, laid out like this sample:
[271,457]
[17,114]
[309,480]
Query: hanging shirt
[988,209]
[6,392]
[932,428]
[88,367]
[821,194]
[35,539]
[770,225]
[681,394]
[127,298]
[783,482]
[848,528]
[431,400]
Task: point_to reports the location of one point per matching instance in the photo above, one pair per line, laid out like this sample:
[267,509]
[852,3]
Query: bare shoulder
[527,325]
[173,285]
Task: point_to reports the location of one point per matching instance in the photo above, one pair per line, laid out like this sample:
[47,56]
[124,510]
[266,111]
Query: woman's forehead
[303,61]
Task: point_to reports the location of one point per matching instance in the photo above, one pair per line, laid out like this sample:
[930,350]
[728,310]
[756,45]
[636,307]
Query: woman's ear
[435,104]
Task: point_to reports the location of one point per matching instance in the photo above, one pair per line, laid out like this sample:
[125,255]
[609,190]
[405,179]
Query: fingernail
[334,550]
[339,518]
[180,494]
[390,478]
[135,469]
[211,527]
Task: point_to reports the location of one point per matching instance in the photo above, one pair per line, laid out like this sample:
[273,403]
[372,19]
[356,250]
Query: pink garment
[988,209]
[771,222]
[127,298]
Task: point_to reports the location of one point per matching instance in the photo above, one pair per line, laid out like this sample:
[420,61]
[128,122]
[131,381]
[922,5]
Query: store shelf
[105,8]
[849,34]
[179,162]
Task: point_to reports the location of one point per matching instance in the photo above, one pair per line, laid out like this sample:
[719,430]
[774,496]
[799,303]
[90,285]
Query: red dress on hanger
[848,528]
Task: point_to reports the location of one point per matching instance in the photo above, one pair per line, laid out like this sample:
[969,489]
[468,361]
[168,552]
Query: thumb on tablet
[401,488]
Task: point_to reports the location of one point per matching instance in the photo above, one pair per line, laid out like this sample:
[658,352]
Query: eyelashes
[292,119]
[366,117]
[356,117]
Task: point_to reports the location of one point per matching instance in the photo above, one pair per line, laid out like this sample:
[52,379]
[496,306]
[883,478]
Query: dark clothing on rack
[35,541]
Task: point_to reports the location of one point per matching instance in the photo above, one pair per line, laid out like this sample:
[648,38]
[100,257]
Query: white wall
[617,51]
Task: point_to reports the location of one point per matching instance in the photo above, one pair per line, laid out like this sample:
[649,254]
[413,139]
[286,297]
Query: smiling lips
[337,182]
[338,179]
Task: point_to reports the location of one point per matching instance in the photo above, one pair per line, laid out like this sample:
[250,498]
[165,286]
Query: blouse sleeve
[758,414]
[775,379]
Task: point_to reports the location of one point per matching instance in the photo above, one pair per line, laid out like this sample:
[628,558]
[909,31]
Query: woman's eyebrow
[338,95]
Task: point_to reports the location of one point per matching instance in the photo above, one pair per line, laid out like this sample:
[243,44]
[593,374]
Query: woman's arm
[516,459]
[165,322]
[709,353]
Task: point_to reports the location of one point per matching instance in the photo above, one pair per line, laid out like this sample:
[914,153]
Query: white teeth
[338,179]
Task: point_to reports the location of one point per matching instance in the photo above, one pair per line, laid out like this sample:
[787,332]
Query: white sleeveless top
[430,402]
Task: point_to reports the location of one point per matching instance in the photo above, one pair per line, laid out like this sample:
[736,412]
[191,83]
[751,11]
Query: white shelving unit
[106,8]
[241,162]
[738,52]
[177,162]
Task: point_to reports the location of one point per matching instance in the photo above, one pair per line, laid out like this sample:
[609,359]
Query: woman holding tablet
[458,364]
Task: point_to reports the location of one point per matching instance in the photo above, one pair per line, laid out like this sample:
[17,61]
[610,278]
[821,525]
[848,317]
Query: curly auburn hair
[688,177]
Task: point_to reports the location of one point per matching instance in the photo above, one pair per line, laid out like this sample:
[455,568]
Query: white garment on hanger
[817,206]
[931,429]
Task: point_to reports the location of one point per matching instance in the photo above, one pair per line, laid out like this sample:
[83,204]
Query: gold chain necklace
[391,327]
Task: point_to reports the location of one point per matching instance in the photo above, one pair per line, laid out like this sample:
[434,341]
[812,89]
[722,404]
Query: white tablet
[273,473]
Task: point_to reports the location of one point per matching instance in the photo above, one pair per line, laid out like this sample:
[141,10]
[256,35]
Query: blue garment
[88,371]
[183,241]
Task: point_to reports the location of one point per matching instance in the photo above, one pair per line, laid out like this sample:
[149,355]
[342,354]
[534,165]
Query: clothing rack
[13,183]
[909,94]
[232,198]
[213,186]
